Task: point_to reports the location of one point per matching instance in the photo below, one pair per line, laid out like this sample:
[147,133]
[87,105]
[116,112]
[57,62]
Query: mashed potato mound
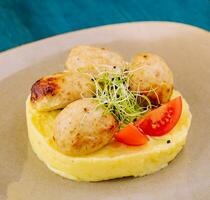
[114,160]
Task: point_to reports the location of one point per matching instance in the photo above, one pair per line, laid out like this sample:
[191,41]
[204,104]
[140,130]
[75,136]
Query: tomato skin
[161,120]
[131,135]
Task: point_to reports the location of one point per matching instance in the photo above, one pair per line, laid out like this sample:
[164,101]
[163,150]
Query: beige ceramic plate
[187,51]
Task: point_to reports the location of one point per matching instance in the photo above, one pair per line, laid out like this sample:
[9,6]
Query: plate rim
[104,26]
[9,54]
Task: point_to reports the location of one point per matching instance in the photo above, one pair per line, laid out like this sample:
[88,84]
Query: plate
[185,48]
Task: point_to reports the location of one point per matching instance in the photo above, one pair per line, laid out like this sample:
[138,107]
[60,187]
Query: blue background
[23,21]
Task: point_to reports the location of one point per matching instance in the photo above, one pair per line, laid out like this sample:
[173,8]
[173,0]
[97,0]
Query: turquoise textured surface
[23,21]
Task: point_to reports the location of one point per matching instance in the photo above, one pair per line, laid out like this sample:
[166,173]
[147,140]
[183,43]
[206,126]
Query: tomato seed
[166,119]
[170,111]
[162,122]
[154,126]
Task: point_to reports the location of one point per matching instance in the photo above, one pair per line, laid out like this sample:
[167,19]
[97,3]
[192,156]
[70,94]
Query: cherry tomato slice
[161,120]
[130,135]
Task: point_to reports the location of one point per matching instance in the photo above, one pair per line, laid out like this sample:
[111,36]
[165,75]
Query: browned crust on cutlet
[44,87]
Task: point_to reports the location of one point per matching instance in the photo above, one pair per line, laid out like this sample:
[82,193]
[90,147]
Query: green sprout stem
[113,93]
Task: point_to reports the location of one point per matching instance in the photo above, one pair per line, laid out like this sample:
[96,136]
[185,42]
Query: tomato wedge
[161,120]
[131,135]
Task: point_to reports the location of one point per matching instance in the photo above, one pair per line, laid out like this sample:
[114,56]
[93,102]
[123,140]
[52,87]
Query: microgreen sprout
[113,92]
